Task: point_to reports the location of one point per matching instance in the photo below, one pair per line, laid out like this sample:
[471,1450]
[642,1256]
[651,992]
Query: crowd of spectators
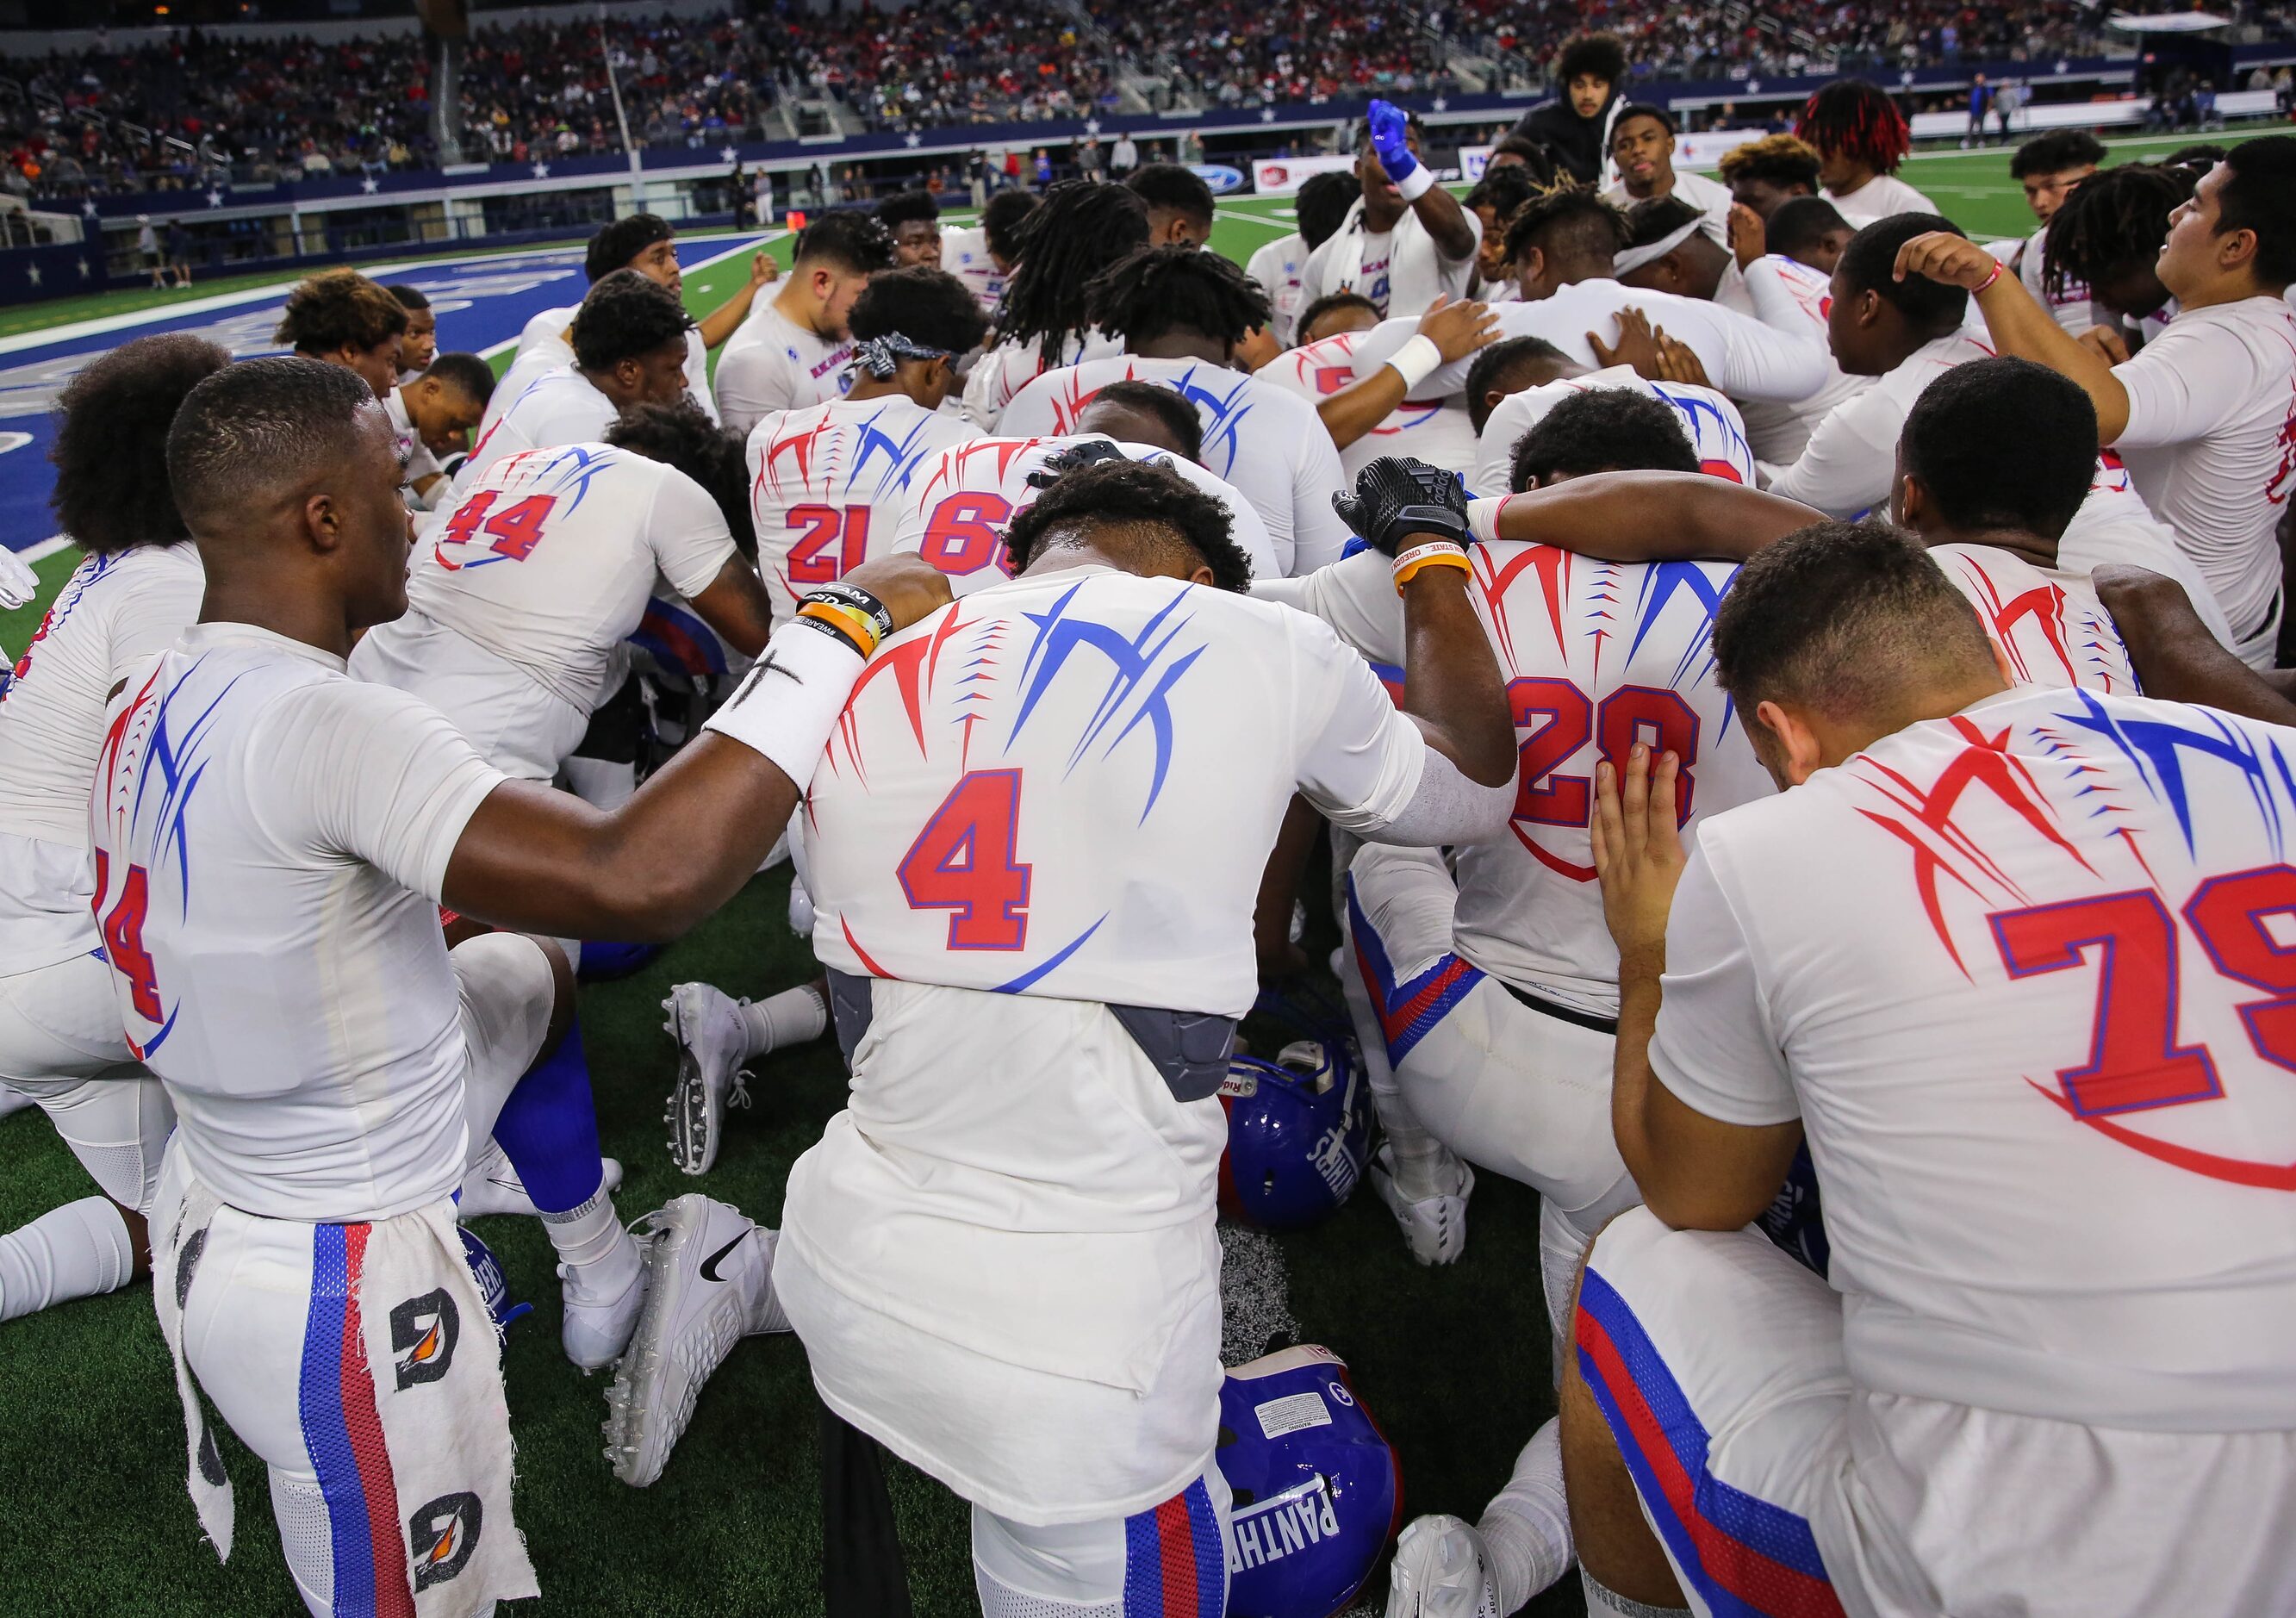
[1234,53]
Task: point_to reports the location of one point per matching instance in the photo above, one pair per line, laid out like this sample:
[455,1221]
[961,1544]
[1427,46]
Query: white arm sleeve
[1360,760]
[1778,356]
[374,773]
[1445,808]
[1355,595]
[2185,384]
[1384,340]
[1851,454]
[687,534]
[1715,1049]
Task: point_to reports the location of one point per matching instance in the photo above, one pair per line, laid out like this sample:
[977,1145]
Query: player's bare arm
[737,606]
[2020,325]
[544,861]
[2177,657]
[1695,1172]
[1646,516]
[1452,331]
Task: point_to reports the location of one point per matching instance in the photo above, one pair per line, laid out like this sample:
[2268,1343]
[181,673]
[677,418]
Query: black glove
[1075,458]
[1398,498]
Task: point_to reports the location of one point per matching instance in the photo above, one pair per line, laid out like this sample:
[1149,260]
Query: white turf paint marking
[44,549]
[103,324]
[747,244]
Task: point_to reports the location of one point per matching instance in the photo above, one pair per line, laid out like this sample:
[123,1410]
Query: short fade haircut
[1603,55]
[624,316]
[617,243]
[928,305]
[1152,511]
[339,308]
[1802,222]
[1506,366]
[1602,430]
[2003,443]
[1001,222]
[410,297]
[111,452]
[1574,219]
[1163,289]
[1869,264]
[1774,160]
[679,436]
[465,373]
[1535,160]
[1171,186]
[258,429]
[1330,303]
[908,207]
[2056,152]
[1844,618]
[1178,416]
[1643,109]
[2259,194]
[849,240]
[1323,203]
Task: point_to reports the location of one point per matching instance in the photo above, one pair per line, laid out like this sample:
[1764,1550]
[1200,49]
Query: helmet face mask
[1317,1490]
[1298,1126]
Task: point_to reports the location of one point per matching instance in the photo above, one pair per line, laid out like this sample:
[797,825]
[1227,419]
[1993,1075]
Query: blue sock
[549,1130]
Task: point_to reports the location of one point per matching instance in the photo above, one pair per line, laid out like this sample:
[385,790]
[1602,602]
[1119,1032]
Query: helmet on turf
[1299,1126]
[1317,1493]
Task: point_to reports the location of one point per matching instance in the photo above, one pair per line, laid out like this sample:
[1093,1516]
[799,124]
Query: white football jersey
[549,559]
[2048,623]
[2114,525]
[1278,268]
[1848,465]
[1264,441]
[558,406]
[1025,805]
[771,363]
[2021,974]
[1008,367]
[829,484]
[1598,656]
[1716,430]
[1778,430]
[542,346]
[964,254]
[962,502]
[111,613]
[1431,430]
[270,840]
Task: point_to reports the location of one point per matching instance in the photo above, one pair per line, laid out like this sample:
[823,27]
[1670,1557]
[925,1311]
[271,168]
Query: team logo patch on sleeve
[423,1333]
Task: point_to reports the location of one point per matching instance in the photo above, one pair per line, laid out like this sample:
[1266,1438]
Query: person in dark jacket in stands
[1575,126]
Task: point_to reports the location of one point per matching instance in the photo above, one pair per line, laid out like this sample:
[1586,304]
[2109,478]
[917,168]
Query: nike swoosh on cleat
[709,1264]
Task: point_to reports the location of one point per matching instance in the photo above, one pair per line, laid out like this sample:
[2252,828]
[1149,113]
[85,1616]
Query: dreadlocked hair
[1080,229]
[1166,289]
[1572,217]
[1860,121]
[2115,218]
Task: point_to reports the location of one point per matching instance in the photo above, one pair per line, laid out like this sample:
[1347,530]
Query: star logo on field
[32,274]
[215,199]
[542,171]
[913,140]
[727,154]
[370,184]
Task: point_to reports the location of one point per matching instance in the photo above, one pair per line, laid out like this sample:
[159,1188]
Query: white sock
[77,1251]
[590,1239]
[1527,1530]
[790,1017]
[601,783]
[1602,1603]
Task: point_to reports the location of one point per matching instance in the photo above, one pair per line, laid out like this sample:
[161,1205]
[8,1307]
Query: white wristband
[1416,360]
[1417,183]
[1483,518]
[788,704]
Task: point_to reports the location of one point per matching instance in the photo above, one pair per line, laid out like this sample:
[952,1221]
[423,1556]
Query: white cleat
[1440,1570]
[713,1042]
[597,1328]
[494,1187]
[1434,1227]
[709,1284]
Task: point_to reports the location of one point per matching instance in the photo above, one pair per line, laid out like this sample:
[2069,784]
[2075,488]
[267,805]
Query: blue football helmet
[1299,1127]
[1317,1491]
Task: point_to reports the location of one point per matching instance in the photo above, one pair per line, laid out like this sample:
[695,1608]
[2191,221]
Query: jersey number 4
[123,934]
[812,560]
[515,530]
[964,862]
[2134,1060]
